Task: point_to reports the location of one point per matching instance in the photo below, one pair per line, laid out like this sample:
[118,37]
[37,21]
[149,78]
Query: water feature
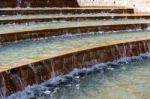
[34,48]
[54,24]
[127,78]
[22,63]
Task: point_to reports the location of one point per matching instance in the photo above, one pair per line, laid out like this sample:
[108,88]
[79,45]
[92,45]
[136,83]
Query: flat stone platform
[46,18]
[28,11]
[71,28]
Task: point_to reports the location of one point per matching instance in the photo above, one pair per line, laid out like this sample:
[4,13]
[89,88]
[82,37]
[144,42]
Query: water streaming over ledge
[126,78]
[58,24]
[34,48]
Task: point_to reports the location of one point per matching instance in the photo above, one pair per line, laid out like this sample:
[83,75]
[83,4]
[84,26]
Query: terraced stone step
[28,11]
[34,48]
[36,70]
[46,18]
[40,30]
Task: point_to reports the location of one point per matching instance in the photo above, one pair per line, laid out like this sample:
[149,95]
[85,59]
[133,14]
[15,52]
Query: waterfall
[27,4]
[2,86]
[35,73]
[18,3]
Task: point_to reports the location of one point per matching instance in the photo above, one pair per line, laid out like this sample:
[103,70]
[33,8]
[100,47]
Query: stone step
[32,71]
[54,29]
[28,11]
[34,48]
[46,18]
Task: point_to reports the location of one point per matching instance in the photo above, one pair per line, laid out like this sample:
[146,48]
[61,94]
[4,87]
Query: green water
[130,81]
[126,80]
[37,25]
[34,48]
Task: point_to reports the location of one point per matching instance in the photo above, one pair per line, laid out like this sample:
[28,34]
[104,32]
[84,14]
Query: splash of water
[49,87]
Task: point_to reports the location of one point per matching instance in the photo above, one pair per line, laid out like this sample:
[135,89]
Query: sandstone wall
[138,5]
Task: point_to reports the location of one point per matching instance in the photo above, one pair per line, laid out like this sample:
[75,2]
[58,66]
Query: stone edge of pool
[56,31]
[30,71]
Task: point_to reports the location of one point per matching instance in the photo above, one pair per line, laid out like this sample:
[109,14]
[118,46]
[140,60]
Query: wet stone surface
[34,48]
[62,24]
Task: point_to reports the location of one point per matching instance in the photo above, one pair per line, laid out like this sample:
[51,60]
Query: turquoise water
[38,25]
[34,48]
[129,81]
[128,78]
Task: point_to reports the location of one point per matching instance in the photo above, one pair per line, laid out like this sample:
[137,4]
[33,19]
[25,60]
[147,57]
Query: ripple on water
[128,79]
[34,48]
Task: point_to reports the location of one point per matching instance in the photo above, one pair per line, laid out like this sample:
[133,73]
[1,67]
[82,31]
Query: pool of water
[128,78]
[54,24]
[34,48]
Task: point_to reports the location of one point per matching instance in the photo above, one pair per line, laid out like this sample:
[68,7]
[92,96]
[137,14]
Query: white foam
[30,90]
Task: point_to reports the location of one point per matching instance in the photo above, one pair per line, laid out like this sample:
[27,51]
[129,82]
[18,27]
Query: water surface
[58,24]
[130,81]
[34,48]
[124,80]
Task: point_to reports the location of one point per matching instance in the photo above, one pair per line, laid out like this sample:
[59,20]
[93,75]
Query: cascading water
[27,4]
[2,86]
[18,3]
[30,63]
[38,72]
[63,24]
[112,79]
[25,49]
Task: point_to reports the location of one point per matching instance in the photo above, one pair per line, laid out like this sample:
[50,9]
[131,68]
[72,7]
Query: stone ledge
[55,31]
[72,18]
[28,11]
[30,71]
